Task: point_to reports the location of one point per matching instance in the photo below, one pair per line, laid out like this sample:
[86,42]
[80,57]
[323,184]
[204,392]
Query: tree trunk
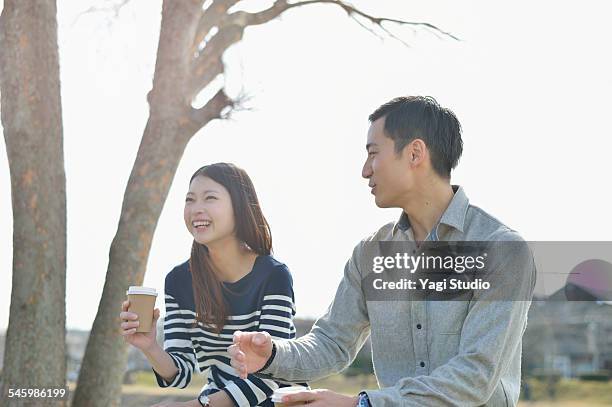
[35,353]
[167,132]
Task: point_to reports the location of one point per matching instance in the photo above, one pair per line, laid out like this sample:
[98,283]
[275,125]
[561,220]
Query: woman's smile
[201,225]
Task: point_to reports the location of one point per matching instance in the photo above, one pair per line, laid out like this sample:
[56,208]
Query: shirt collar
[453,216]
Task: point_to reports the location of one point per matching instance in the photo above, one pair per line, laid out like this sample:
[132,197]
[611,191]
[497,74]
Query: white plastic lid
[277,397]
[135,289]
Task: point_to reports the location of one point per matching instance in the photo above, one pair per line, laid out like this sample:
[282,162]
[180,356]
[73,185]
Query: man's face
[389,174]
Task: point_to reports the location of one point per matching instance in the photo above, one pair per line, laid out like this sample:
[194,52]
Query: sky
[529,82]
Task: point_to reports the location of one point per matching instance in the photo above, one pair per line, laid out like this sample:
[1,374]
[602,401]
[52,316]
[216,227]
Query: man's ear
[416,151]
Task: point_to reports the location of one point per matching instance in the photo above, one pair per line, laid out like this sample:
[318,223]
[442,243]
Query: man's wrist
[270,359]
[203,401]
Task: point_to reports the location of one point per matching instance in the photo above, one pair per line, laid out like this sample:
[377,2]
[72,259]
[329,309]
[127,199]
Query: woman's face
[209,215]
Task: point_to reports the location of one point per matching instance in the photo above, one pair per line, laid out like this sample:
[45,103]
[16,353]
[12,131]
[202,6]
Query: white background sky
[530,83]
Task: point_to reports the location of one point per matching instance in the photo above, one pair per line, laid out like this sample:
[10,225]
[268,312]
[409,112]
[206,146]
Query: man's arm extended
[330,346]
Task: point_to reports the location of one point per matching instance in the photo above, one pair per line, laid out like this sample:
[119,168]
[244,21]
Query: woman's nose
[197,209]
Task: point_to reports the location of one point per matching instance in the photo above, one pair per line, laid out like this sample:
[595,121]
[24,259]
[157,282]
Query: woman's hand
[190,403]
[141,340]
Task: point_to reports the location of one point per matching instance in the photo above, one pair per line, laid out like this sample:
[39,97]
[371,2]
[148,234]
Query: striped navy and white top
[261,301]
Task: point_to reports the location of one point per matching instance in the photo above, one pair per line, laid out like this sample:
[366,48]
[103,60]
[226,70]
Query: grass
[568,393]
[586,393]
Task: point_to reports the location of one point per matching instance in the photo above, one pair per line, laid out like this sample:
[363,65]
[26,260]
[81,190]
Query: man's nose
[366,171]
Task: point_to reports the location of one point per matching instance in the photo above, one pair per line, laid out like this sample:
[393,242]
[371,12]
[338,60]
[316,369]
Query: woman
[231,282]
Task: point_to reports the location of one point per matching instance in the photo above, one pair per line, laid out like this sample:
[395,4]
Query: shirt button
[418,326]
[422,364]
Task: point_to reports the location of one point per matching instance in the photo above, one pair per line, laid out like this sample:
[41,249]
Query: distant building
[571,338]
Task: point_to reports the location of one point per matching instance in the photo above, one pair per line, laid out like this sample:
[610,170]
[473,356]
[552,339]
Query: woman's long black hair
[251,228]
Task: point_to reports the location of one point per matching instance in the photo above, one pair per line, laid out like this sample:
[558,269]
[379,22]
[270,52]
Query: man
[425,353]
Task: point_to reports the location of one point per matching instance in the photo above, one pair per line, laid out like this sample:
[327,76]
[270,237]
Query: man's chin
[381,203]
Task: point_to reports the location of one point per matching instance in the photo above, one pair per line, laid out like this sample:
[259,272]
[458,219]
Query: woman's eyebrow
[205,192]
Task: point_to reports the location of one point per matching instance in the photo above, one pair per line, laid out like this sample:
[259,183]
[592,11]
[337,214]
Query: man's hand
[190,403]
[320,398]
[250,351]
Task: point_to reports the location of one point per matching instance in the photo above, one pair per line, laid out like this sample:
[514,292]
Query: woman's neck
[231,260]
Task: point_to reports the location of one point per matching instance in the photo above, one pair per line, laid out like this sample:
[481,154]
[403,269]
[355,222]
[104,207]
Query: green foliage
[601,376]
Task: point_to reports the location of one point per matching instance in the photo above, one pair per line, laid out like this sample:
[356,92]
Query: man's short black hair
[411,117]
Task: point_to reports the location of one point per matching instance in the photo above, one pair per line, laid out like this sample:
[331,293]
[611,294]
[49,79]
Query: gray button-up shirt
[425,353]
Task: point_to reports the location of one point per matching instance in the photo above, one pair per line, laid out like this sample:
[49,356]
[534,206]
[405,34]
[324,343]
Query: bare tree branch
[204,72]
[213,109]
[211,17]
[366,27]
[280,6]
[389,33]
[208,63]
[115,9]
[378,20]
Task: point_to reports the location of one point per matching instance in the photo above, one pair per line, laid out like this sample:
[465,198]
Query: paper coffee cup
[142,303]
[277,396]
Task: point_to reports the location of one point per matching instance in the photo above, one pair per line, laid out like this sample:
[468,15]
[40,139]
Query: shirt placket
[419,336]
[418,311]
[419,329]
